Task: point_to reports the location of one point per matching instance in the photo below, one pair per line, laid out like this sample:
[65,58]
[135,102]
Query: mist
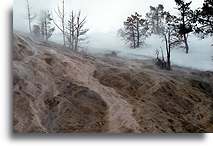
[105,17]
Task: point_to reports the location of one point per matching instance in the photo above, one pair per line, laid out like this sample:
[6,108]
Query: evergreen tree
[185,19]
[169,33]
[135,30]
[170,36]
[204,17]
[155,17]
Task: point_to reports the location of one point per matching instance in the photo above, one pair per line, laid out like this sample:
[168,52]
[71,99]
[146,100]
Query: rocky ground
[59,91]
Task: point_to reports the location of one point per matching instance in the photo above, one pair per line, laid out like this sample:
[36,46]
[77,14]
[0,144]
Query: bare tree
[30,17]
[75,30]
[60,12]
[80,31]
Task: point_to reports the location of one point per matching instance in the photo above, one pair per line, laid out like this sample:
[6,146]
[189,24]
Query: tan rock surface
[56,90]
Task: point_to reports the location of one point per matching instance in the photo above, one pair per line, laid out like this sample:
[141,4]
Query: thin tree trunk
[61,14]
[133,36]
[157,28]
[73,31]
[169,51]
[77,32]
[70,31]
[186,43]
[63,25]
[70,35]
[76,43]
[46,33]
[166,40]
[138,35]
[184,35]
[29,16]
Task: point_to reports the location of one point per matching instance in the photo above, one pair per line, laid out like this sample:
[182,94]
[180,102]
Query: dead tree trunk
[73,30]
[63,25]
[45,28]
[77,31]
[61,15]
[29,16]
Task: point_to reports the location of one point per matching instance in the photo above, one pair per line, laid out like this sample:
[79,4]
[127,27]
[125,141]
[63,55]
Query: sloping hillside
[56,90]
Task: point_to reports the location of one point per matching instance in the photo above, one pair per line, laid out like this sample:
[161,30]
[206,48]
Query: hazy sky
[102,15]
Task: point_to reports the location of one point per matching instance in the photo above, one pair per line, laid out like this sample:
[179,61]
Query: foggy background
[102,15]
[105,17]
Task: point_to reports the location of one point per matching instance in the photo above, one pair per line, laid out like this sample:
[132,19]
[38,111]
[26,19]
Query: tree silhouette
[204,17]
[46,26]
[76,30]
[135,30]
[71,30]
[155,17]
[80,30]
[184,19]
[169,33]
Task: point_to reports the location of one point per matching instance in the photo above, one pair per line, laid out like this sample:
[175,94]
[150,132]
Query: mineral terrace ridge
[58,91]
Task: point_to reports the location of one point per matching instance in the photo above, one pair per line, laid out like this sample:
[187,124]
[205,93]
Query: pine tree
[135,30]
[185,18]
[169,33]
[204,17]
[129,32]
[170,36]
[155,17]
